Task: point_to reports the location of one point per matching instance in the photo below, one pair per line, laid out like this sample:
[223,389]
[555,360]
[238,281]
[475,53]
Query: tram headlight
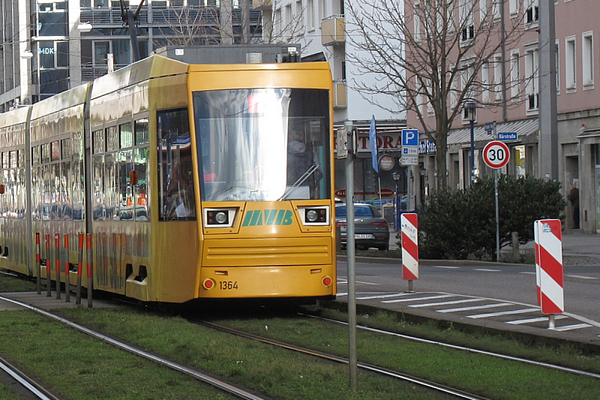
[221,217]
[312,215]
[315,215]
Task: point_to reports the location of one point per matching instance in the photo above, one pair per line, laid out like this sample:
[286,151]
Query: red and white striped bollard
[549,236]
[410,248]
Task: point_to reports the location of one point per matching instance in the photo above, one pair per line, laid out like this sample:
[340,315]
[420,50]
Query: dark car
[370,228]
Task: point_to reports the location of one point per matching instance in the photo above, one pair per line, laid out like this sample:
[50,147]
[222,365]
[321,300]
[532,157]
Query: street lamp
[396,177]
[470,109]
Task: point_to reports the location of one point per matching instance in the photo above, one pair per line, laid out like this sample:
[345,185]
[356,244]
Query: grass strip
[483,375]
[77,366]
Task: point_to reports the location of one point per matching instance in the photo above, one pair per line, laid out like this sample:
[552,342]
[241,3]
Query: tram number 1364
[228,285]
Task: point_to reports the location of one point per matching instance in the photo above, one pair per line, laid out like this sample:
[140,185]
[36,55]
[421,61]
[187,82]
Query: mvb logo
[267,217]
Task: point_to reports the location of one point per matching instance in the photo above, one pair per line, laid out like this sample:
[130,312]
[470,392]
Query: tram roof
[13,117]
[61,101]
[154,66]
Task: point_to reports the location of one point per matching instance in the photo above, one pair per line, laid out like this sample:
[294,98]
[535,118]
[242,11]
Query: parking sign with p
[410,137]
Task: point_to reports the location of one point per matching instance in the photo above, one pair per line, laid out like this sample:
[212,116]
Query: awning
[523,129]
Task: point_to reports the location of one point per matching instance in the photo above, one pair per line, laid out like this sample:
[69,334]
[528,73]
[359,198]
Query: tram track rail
[218,384]
[433,386]
[28,387]
[464,348]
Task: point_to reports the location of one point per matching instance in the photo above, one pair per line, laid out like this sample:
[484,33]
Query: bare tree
[201,25]
[429,55]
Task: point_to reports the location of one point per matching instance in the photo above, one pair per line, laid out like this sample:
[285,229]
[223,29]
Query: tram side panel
[137,252]
[57,181]
[14,249]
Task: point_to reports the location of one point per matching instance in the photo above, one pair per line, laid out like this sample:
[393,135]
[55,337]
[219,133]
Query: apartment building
[508,106]
[49,46]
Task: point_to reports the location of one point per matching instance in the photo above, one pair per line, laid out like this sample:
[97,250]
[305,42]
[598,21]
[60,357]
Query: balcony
[340,95]
[333,30]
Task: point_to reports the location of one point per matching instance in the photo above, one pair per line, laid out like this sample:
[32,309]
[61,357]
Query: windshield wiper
[300,181]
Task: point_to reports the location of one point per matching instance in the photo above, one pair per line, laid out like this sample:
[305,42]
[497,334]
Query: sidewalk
[578,249]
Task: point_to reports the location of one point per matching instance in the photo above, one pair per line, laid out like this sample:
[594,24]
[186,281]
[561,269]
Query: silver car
[370,228]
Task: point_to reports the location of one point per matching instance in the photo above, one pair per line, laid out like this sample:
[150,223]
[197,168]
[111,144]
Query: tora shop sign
[385,141]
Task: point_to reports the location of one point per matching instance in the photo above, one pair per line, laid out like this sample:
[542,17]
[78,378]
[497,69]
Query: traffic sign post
[496,155]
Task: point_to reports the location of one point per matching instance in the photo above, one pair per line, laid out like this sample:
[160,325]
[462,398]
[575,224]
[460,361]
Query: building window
[515,75]
[299,15]
[496,9]
[513,7]
[557,60]
[532,78]
[466,21]
[570,63]
[588,59]
[532,14]
[485,82]
[483,10]
[417,23]
[498,79]
[310,15]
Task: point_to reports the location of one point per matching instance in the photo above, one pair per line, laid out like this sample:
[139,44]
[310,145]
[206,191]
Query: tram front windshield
[263,144]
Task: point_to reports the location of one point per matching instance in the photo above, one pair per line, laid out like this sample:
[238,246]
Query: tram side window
[176,183]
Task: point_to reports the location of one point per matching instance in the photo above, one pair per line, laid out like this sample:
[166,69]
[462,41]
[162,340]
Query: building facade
[512,113]
[54,45]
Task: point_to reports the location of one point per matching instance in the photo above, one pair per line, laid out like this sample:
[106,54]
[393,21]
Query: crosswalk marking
[571,327]
[449,310]
[418,298]
[500,313]
[383,296]
[534,320]
[444,303]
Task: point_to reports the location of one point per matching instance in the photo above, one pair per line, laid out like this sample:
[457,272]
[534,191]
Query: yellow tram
[195,181]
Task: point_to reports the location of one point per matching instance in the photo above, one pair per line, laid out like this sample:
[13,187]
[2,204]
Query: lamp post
[470,108]
[396,177]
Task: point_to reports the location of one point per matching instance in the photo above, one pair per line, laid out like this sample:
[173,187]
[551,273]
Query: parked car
[370,228]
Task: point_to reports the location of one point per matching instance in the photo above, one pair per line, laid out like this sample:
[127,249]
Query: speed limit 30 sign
[496,154]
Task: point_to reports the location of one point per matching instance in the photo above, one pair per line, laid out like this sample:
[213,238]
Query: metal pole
[471,123]
[67,269]
[497,172]
[350,246]
[57,254]
[90,280]
[548,142]
[38,268]
[79,268]
[48,268]
[397,210]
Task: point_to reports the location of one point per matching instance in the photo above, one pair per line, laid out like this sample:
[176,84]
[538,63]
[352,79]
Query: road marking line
[534,320]
[474,307]
[581,277]
[500,313]
[527,272]
[488,270]
[445,303]
[571,327]
[418,298]
[383,296]
[445,267]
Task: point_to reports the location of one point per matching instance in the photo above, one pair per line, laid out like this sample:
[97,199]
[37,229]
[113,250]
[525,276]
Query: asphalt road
[503,294]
